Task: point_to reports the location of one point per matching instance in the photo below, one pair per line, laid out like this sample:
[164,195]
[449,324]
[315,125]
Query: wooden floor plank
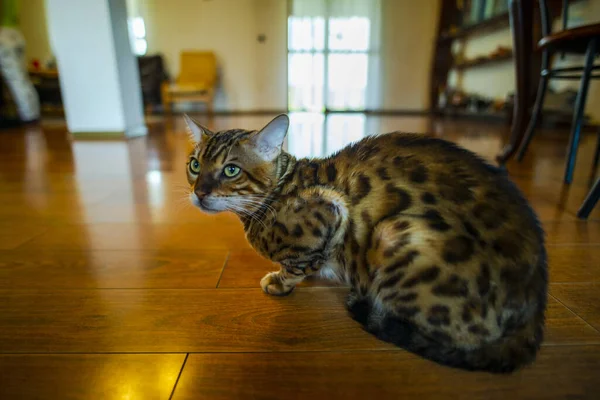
[224,320]
[574,263]
[110,269]
[582,298]
[563,326]
[89,376]
[13,234]
[125,236]
[553,200]
[582,232]
[560,372]
[177,321]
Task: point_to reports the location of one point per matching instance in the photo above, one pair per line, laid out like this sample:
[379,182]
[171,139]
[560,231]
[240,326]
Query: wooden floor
[112,286]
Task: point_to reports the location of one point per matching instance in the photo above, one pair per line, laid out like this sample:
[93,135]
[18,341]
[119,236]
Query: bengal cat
[443,255]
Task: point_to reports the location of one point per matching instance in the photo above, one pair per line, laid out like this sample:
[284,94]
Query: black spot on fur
[366,217]
[484,310]
[282,228]
[406,312]
[491,217]
[439,315]
[401,225]
[298,231]
[383,174]
[474,233]
[399,161]
[316,232]
[508,247]
[402,263]
[418,174]
[479,329]
[483,280]
[452,190]
[466,314]
[428,198]
[458,249]
[363,188]
[407,297]
[403,199]
[279,240]
[389,297]
[391,281]
[436,221]
[331,172]
[354,246]
[424,276]
[320,217]
[453,287]
[353,267]
[512,276]
[492,296]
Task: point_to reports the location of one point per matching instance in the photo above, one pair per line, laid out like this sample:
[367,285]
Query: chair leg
[590,201]
[535,115]
[597,153]
[579,110]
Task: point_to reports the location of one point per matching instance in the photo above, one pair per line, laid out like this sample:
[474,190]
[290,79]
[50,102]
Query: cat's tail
[510,352]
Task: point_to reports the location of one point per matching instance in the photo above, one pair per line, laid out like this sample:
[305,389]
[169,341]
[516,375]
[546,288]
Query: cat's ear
[196,132]
[267,142]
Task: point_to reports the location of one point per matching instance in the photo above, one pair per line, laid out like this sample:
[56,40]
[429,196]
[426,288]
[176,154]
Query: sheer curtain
[334,55]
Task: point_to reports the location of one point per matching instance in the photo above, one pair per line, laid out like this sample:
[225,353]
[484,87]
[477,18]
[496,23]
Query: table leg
[521,22]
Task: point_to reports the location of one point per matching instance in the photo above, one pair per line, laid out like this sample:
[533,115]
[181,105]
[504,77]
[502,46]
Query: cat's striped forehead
[217,143]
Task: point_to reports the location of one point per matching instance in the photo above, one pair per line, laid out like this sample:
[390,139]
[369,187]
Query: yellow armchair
[196,81]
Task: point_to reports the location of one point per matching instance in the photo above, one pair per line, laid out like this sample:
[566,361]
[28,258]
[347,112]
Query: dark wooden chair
[590,201]
[580,40]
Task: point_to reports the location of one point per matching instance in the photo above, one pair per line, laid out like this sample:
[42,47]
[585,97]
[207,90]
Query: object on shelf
[500,54]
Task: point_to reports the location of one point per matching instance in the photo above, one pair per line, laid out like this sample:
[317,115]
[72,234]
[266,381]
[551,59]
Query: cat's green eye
[231,170]
[194,166]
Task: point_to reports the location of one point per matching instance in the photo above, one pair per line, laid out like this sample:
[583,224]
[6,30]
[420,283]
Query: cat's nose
[200,194]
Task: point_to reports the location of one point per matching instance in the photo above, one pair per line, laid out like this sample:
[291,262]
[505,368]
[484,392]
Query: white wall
[32,22]
[408,40]
[89,66]
[128,70]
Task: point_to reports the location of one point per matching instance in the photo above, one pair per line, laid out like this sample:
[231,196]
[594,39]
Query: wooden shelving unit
[451,28]
[495,22]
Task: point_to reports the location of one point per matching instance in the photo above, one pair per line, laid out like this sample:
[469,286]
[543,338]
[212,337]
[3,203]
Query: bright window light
[137,35]
[138,28]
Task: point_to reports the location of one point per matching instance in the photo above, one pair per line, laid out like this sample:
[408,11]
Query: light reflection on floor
[317,135]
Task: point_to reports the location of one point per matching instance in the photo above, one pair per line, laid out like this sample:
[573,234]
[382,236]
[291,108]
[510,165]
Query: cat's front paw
[271,284]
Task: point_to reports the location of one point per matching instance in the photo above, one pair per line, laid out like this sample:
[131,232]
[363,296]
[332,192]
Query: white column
[99,77]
